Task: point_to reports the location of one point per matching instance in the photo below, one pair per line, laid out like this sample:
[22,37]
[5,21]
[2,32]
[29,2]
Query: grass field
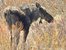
[43,36]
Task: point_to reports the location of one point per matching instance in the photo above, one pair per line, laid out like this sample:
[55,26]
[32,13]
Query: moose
[22,18]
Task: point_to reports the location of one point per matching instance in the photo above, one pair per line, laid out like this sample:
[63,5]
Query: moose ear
[38,5]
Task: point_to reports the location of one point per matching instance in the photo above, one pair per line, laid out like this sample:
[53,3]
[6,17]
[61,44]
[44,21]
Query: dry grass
[41,37]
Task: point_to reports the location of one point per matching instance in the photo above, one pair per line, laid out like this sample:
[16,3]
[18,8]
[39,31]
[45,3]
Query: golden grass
[57,29]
